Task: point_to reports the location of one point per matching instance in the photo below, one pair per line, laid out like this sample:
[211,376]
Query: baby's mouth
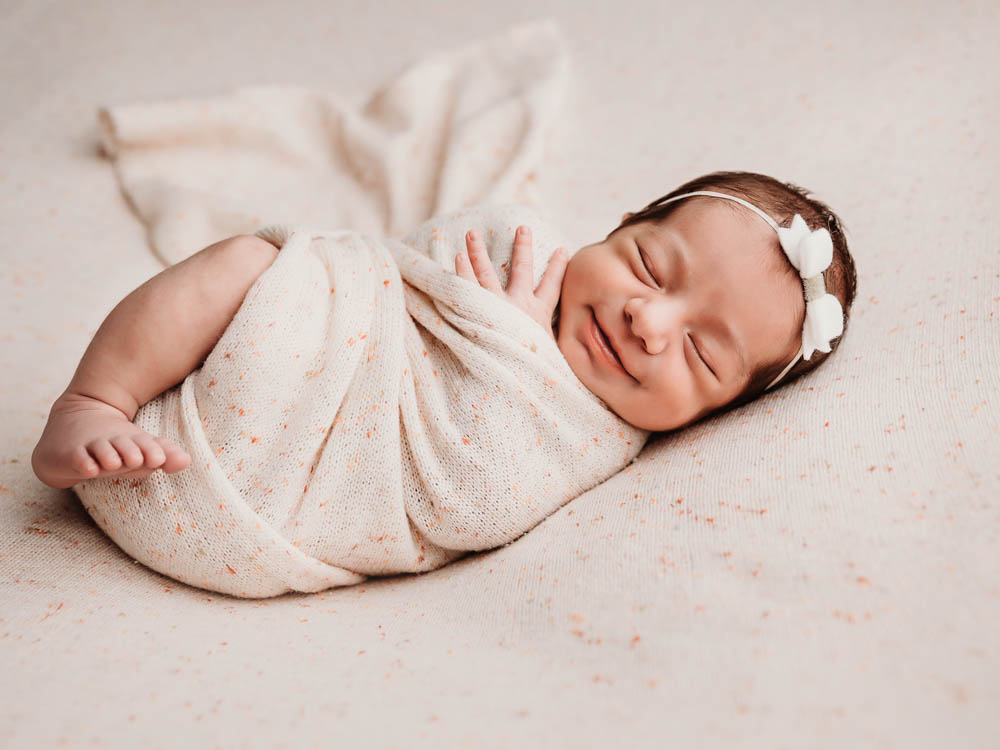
[606,341]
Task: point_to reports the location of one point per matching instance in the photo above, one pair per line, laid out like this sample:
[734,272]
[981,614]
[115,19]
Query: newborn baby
[699,302]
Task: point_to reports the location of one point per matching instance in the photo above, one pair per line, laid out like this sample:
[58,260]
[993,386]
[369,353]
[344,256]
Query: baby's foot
[86,438]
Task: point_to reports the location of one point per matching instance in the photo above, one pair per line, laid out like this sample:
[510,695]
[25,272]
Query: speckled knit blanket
[366,412]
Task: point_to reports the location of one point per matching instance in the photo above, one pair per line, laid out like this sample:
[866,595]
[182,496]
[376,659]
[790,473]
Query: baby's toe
[105,454]
[82,463]
[128,450]
[151,449]
[176,458]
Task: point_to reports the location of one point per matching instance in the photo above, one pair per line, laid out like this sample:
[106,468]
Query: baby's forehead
[702,211]
[714,231]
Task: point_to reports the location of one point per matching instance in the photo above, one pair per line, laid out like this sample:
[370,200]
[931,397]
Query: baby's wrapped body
[366,412]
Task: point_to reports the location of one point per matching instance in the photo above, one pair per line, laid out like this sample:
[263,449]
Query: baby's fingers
[551,282]
[521,261]
[463,267]
[481,263]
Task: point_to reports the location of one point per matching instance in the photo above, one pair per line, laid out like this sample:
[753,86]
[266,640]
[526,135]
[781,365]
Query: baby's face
[715,285]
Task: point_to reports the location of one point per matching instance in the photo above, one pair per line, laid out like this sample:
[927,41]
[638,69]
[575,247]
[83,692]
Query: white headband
[811,253]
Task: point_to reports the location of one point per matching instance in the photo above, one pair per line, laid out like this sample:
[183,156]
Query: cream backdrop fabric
[816,569]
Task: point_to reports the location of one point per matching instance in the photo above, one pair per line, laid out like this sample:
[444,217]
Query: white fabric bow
[811,253]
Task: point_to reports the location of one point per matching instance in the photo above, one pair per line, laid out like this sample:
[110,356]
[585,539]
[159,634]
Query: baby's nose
[652,324]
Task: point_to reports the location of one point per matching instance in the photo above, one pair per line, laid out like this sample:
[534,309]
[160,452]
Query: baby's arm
[149,342]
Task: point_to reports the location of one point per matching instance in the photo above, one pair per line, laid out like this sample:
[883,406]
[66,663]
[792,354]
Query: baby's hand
[540,304]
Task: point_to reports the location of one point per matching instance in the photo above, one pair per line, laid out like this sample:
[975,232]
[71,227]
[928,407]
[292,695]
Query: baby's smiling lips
[611,343]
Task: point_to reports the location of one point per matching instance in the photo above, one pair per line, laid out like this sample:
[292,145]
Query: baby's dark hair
[781,200]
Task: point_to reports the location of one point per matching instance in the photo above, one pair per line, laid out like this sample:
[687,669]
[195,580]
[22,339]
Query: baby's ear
[627,215]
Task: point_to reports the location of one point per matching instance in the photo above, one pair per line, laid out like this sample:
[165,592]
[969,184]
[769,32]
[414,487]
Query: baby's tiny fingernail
[472,234]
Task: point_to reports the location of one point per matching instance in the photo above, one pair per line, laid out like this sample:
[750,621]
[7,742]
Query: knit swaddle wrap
[366,412]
